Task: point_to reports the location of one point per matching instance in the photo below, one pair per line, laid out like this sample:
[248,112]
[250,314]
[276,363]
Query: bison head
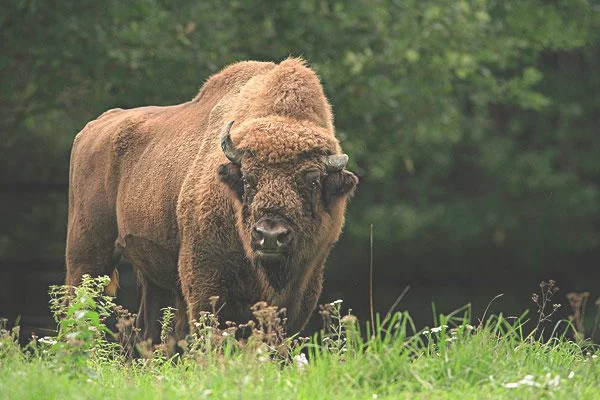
[290,209]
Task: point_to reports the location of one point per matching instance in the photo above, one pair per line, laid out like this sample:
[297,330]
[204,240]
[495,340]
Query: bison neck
[294,286]
[276,274]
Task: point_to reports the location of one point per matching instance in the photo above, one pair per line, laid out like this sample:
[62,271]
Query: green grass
[455,360]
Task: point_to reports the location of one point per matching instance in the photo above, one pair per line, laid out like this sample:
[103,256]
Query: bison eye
[313,180]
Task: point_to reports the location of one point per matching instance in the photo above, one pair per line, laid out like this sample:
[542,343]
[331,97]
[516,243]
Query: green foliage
[493,359]
[81,313]
[471,123]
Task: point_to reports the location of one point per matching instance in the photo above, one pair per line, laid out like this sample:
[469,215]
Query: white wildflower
[338,301]
[552,382]
[438,329]
[571,375]
[47,340]
[72,335]
[526,381]
[301,361]
[374,396]
[79,314]
[225,334]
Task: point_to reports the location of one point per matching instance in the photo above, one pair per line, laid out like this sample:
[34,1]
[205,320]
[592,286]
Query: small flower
[225,334]
[338,301]
[79,314]
[526,381]
[571,375]
[47,340]
[438,329]
[301,361]
[552,382]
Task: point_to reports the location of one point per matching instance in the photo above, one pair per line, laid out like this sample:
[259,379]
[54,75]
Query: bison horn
[233,154]
[336,162]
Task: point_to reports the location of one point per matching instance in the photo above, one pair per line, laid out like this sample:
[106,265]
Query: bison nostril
[283,238]
[258,236]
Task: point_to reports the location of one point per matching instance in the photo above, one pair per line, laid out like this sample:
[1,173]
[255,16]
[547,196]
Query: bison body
[202,206]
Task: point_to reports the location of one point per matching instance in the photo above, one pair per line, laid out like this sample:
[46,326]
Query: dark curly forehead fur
[282,114]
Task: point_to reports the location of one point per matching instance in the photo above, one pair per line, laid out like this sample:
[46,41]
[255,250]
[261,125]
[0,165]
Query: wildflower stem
[371,284]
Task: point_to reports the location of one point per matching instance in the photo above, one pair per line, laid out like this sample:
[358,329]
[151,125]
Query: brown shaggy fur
[153,185]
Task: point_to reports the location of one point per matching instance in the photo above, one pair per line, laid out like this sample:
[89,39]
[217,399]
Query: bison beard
[277,271]
[202,206]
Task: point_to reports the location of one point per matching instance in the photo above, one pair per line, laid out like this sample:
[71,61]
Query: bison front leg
[203,284]
[153,300]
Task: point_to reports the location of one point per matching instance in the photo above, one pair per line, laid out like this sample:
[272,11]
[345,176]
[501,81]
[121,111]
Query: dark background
[473,125]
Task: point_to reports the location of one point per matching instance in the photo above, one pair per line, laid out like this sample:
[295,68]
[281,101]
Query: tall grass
[391,359]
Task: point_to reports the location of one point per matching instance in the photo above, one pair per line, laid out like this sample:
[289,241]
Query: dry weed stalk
[548,289]
[128,335]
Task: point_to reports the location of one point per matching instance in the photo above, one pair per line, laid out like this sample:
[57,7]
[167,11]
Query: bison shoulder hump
[126,135]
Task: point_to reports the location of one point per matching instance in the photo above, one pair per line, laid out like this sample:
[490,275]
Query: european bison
[239,193]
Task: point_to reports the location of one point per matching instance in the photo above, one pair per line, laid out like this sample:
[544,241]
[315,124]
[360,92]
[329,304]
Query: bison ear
[231,175]
[338,184]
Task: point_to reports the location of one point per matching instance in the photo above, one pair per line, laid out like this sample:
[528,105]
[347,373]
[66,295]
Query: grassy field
[455,359]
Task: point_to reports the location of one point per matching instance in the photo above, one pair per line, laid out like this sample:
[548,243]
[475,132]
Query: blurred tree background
[473,125]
